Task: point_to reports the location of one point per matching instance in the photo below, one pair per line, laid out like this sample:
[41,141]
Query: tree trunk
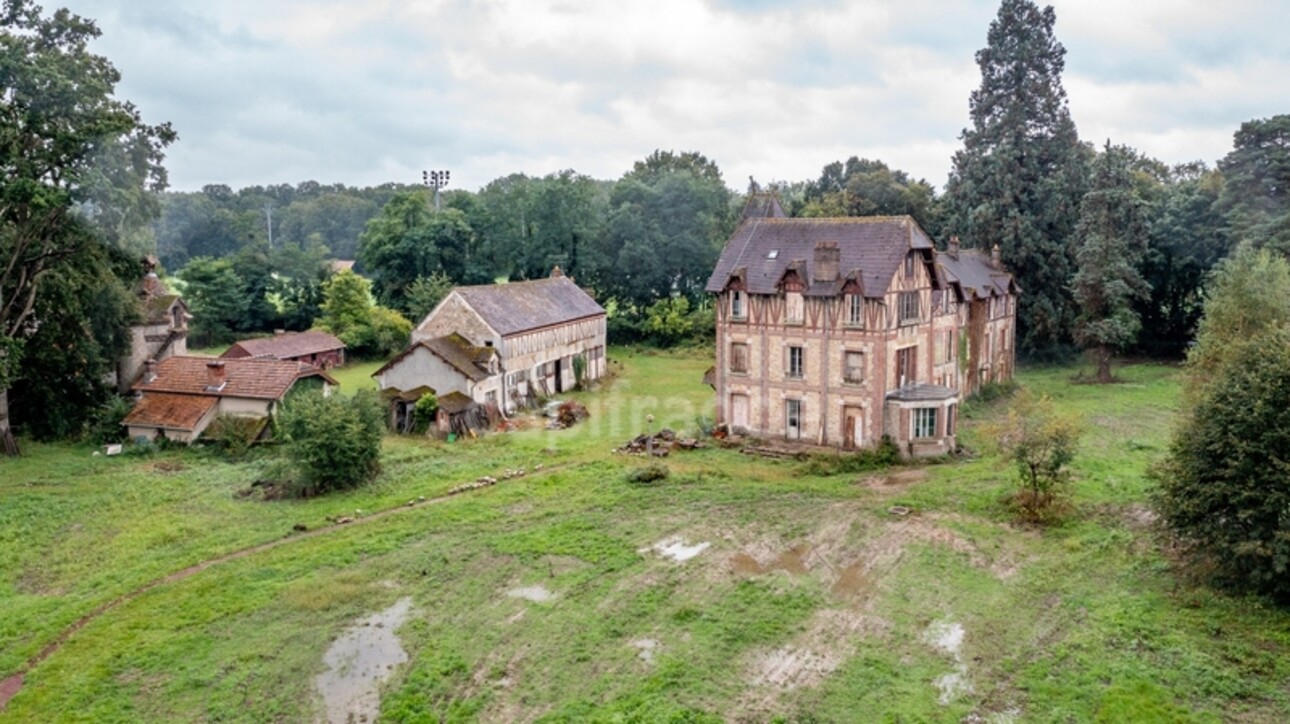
[1103,365]
[8,445]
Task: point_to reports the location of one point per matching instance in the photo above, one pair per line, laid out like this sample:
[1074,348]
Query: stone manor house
[836,332]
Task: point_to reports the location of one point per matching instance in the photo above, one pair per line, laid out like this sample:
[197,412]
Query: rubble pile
[485,481]
[660,444]
[566,415]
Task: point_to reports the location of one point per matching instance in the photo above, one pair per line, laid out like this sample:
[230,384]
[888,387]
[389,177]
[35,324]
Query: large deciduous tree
[1018,181]
[409,240]
[59,115]
[1112,238]
[862,187]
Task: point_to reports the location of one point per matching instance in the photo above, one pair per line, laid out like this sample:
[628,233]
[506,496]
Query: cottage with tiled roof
[836,332]
[536,337]
[179,397]
[162,330]
[314,347]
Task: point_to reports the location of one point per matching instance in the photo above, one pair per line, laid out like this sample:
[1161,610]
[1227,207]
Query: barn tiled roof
[522,306]
[288,345]
[172,412]
[973,271]
[256,378]
[871,248]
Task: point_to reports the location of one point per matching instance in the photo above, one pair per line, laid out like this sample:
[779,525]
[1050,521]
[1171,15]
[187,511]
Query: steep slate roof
[173,412]
[291,344]
[974,272]
[522,306]
[871,247]
[256,378]
[763,205]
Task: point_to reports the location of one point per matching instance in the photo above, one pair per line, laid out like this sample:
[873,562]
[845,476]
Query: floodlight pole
[435,180]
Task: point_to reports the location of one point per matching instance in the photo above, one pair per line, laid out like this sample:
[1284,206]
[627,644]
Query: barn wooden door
[739,410]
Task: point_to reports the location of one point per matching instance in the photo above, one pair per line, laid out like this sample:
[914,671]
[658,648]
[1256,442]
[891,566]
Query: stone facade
[543,331]
[814,348]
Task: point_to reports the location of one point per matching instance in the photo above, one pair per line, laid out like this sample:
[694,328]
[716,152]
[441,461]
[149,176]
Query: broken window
[906,361]
[853,367]
[909,307]
[737,310]
[795,310]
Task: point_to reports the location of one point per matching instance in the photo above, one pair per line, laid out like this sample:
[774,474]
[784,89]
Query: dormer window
[855,310]
[737,309]
[910,265]
[795,309]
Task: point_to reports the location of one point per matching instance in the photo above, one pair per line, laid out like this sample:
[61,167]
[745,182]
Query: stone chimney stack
[827,260]
[995,258]
[953,247]
[149,370]
[215,378]
[557,271]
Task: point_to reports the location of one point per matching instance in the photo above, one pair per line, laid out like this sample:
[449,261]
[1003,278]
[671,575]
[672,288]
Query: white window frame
[794,308]
[924,423]
[855,310]
[847,375]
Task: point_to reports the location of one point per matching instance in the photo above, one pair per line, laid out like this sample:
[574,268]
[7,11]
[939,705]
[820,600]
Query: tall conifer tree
[1019,178]
[1112,237]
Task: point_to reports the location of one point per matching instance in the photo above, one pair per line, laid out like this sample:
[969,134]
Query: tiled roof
[257,378]
[522,306]
[455,402]
[974,272]
[289,345]
[764,205]
[871,248]
[461,355]
[173,412]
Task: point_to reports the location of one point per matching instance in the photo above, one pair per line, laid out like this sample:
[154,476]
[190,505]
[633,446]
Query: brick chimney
[995,258]
[215,378]
[827,259]
[557,271]
[953,247]
[149,370]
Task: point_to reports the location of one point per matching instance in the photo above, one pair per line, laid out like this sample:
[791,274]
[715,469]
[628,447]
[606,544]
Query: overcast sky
[368,91]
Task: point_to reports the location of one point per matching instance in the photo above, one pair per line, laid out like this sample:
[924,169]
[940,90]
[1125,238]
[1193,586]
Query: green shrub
[235,434]
[335,442]
[1224,490]
[106,424]
[649,474]
[424,411]
[1041,443]
[885,455]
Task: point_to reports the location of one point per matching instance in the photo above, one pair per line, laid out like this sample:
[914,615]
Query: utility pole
[435,180]
[268,211]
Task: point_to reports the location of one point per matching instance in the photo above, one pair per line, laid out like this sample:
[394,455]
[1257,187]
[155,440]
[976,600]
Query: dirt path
[11,685]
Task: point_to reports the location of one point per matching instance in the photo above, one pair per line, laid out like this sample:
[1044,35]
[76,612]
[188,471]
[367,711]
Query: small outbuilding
[314,347]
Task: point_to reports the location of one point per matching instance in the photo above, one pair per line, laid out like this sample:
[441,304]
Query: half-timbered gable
[839,331]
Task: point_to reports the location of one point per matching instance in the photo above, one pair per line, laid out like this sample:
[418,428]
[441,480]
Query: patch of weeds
[651,473]
[431,692]
[884,456]
[1141,701]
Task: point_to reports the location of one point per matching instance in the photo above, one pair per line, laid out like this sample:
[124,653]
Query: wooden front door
[739,411]
[852,428]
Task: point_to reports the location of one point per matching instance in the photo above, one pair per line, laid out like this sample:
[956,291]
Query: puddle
[792,561]
[948,637]
[676,549]
[647,647]
[536,594]
[851,580]
[358,661]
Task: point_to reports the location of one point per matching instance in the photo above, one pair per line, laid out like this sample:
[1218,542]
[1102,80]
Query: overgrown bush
[105,426]
[233,433]
[1041,443]
[334,442]
[424,411]
[651,473]
[885,455]
[1225,488]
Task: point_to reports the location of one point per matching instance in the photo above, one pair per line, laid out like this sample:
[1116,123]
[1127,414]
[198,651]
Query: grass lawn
[356,375]
[811,601]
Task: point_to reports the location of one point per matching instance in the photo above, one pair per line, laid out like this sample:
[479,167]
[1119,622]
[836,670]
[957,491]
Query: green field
[812,601]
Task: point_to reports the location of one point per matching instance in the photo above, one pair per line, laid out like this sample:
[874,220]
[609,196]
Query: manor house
[836,332]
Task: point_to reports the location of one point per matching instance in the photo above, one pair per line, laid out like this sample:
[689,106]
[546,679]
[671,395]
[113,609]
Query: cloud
[365,93]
